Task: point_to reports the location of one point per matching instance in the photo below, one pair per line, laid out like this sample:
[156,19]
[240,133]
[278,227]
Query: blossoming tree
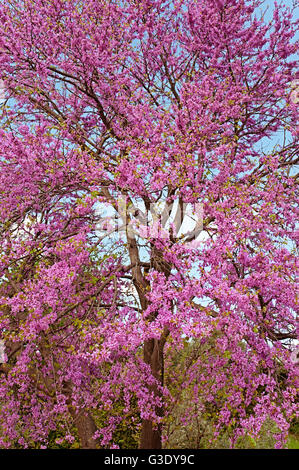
[178,101]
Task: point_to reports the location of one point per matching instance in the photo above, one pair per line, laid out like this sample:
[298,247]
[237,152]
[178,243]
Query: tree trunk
[86,428]
[151,436]
[83,421]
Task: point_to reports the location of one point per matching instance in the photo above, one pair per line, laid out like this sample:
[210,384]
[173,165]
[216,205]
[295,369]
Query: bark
[151,435]
[86,428]
[83,421]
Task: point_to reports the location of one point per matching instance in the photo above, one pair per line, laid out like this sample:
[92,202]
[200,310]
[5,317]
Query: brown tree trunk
[86,428]
[83,421]
[151,435]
